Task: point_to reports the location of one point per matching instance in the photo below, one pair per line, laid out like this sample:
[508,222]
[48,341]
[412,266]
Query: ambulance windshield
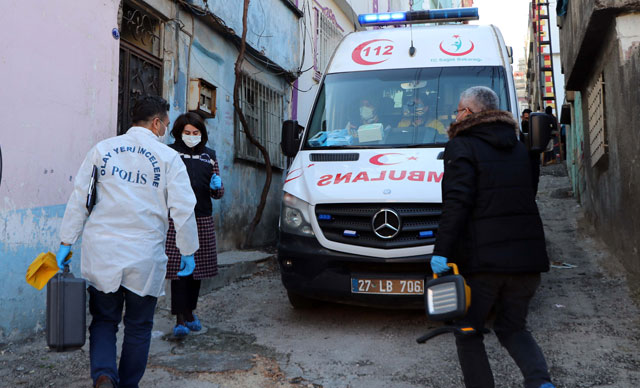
[395,108]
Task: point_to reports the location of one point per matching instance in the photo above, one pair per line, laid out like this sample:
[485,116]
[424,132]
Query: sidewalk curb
[232,265]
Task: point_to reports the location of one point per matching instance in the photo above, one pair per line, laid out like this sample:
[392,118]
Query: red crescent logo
[356,55]
[295,176]
[376,160]
[457,54]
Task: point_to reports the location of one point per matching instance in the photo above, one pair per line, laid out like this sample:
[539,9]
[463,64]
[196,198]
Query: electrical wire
[204,68]
[249,53]
[353,19]
[306,18]
[303,91]
[264,26]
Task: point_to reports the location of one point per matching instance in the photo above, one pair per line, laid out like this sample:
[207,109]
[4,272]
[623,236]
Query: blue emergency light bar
[421,16]
[324,217]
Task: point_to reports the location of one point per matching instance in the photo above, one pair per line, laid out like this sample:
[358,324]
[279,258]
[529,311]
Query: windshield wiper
[425,145]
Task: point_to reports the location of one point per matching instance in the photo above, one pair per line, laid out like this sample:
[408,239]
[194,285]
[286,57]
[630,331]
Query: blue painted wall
[272,27]
[213,59]
[24,234]
[575,148]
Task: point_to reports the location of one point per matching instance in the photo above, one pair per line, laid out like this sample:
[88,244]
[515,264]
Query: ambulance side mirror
[540,126]
[291,136]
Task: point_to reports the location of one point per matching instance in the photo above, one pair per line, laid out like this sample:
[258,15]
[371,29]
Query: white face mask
[162,138]
[366,112]
[191,141]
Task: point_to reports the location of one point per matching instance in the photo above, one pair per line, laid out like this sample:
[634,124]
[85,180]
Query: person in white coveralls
[141,181]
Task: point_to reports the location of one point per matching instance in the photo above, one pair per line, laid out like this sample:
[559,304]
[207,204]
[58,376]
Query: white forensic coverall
[140,181]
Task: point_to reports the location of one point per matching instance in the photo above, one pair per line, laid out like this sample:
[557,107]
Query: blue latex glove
[187,265]
[216,182]
[439,264]
[63,251]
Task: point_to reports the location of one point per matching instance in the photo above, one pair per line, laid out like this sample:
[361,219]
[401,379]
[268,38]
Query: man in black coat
[491,228]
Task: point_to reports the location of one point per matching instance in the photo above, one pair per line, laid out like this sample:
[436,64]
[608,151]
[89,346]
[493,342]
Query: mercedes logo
[386,223]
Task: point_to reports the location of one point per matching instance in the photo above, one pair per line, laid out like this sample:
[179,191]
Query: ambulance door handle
[440,155]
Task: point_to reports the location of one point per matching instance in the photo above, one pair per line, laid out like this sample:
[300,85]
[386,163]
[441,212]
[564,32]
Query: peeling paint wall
[56,106]
[575,148]
[63,102]
[272,27]
[24,234]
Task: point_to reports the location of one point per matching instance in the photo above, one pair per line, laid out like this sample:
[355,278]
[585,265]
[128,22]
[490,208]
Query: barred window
[328,35]
[263,108]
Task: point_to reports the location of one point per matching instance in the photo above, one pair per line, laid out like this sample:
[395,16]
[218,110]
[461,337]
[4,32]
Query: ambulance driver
[415,114]
[140,181]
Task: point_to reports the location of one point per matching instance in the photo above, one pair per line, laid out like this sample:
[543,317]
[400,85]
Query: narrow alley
[583,317]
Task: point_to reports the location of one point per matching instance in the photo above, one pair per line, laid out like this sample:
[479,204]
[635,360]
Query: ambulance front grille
[334,219]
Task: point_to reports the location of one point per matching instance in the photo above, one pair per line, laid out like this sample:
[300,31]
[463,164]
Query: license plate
[387,286]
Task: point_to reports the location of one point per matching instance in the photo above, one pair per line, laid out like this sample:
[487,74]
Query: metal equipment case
[66,311]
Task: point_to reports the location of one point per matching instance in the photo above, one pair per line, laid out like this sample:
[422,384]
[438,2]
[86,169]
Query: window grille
[263,108]
[328,35]
[597,135]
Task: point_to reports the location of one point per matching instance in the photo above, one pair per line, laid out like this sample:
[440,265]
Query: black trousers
[510,294]
[184,295]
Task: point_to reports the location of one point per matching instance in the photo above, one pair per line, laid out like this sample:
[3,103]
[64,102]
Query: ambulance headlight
[294,216]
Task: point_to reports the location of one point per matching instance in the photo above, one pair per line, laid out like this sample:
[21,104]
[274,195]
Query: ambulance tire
[300,302]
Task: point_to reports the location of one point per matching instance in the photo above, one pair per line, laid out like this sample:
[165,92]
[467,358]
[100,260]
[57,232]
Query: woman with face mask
[190,136]
[366,114]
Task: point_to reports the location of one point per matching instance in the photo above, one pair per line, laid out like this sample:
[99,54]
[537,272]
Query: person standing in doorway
[190,136]
[550,154]
[490,227]
[534,156]
[140,182]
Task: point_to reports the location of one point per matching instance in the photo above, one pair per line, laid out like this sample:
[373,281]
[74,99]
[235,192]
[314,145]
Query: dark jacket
[200,170]
[534,158]
[490,220]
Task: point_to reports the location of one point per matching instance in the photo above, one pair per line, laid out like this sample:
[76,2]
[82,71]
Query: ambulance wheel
[300,302]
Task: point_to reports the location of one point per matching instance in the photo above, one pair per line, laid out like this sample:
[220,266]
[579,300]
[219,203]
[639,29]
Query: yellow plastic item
[42,269]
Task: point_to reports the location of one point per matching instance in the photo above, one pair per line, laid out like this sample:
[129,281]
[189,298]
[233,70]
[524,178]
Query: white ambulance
[362,197]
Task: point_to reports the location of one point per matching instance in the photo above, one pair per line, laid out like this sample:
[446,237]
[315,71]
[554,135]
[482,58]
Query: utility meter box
[202,98]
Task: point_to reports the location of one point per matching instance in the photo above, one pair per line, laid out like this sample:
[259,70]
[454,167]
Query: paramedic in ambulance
[140,181]
[490,227]
[415,114]
[367,114]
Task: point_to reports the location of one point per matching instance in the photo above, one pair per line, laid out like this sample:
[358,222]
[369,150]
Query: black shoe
[104,382]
